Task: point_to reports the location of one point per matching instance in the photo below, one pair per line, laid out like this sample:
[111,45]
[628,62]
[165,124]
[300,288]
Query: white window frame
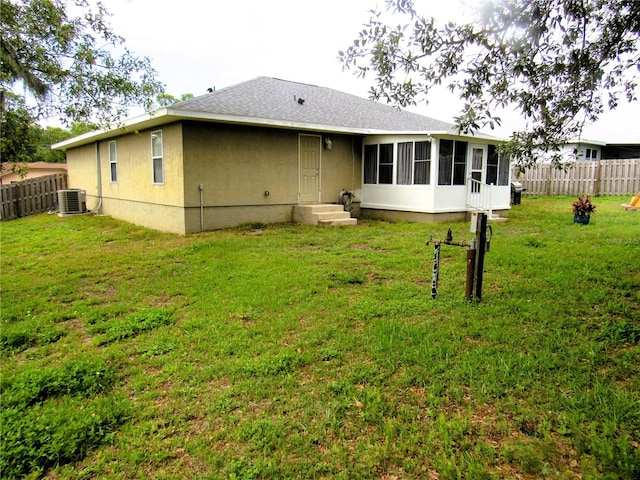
[388,163]
[425,161]
[157,157]
[405,159]
[381,165]
[113,162]
[457,159]
[406,166]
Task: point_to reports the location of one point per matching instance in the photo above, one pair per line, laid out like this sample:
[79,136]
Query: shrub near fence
[31,196]
[603,177]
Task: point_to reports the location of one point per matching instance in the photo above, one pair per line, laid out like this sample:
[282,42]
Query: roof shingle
[279,101]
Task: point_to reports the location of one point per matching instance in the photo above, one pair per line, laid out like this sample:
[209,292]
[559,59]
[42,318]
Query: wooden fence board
[27,197]
[603,177]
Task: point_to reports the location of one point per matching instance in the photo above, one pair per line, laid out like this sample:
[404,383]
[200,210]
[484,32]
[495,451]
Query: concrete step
[325,214]
[332,215]
[338,222]
[322,208]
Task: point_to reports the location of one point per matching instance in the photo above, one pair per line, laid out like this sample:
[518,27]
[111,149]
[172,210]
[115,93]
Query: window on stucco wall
[113,161]
[157,157]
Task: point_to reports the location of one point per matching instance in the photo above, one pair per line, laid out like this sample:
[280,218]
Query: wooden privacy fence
[603,177]
[31,196]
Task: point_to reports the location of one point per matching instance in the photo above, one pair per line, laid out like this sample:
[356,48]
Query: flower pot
[583,219]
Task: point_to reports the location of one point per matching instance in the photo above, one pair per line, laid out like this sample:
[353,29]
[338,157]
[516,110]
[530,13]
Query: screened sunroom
[434,174]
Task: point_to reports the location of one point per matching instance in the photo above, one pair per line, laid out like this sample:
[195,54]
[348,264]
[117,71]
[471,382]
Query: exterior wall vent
[72,201]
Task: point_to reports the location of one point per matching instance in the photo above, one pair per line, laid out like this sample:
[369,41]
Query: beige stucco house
[254,151]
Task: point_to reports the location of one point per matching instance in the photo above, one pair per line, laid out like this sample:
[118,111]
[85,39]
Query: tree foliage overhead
[166,99]
[67,56]
[560,63]
[23,140]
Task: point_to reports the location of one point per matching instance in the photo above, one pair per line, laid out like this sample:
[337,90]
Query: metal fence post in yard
[436,270]
[470,261]
[481,249]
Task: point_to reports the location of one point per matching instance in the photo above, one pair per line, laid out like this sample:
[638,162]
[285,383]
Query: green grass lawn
[301,352]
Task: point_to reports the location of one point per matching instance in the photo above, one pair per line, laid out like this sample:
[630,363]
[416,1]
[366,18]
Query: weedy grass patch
[288,351]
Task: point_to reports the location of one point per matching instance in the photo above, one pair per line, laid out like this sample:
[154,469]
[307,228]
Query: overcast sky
[200,44]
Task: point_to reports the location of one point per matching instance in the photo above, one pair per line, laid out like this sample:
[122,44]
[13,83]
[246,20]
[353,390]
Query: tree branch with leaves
[67,56]
[560,63]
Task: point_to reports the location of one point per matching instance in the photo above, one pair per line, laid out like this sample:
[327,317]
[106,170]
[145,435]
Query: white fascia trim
[169,115]
[265,122]
[148,120]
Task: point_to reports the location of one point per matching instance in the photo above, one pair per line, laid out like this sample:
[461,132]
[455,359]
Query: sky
[199,44]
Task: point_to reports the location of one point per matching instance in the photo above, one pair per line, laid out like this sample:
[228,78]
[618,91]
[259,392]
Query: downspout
[201,187]
[98,178]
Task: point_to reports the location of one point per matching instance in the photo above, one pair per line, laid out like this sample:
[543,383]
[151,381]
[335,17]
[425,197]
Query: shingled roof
[279,103]
[283,102]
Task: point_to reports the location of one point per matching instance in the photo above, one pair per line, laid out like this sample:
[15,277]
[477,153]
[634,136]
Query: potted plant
[582,210]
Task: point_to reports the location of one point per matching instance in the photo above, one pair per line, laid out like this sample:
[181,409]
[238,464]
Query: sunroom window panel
[422,173]
[422,164]
[445,162]
[385,172]
[370,164]
[503,170]
[405,158]
[460,163]
[492,165]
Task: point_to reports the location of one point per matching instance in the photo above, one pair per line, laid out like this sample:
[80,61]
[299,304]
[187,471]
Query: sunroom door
[478,161]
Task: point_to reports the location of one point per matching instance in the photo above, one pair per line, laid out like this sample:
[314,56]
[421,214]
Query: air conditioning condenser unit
[72,201]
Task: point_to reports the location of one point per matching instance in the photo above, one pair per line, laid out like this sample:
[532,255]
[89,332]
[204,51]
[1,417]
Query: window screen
[156,157]
[405,160]
[370,164]
[385,172]
[422,164]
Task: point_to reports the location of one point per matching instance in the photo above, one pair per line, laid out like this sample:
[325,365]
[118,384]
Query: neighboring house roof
[34,169]
[621,150]
[585,141]
[279,103]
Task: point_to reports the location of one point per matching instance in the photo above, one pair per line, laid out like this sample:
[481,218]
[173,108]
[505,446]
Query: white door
[309,166]
[478,161]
